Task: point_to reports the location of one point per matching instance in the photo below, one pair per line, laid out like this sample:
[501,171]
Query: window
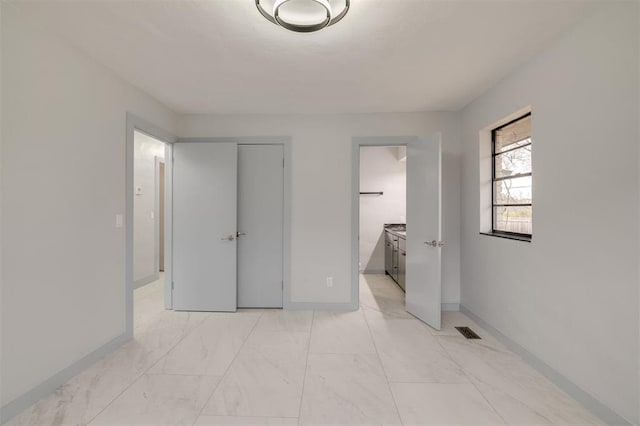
[511,178]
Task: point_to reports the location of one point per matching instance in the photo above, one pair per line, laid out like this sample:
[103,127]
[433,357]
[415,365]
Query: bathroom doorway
[414,251]
[382,230]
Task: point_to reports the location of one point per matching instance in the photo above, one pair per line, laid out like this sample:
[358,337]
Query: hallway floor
[377,365]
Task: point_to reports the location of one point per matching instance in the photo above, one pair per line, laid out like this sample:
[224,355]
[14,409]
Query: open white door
[424,244]
[204,226]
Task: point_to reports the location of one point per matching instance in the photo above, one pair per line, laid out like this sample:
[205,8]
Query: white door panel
[204,213]
[260,218]
[423,279]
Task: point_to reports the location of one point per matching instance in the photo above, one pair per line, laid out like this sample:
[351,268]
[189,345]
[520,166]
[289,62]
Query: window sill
[525,238]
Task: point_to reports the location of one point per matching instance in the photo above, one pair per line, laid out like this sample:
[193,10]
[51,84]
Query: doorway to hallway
[148,215]
[149,225]
[147,219]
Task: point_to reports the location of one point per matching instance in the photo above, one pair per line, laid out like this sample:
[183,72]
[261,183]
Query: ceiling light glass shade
[303,15]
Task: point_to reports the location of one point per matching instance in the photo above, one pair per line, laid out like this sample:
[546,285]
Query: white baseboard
[450,307]
[312,306]
[373,272]
[146,280]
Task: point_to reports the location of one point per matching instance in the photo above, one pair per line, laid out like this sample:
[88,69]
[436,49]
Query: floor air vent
[467,332]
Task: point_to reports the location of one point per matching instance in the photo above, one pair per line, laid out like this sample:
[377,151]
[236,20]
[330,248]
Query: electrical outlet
[329,282]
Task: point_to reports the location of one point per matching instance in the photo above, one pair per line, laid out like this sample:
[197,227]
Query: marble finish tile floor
[374,366]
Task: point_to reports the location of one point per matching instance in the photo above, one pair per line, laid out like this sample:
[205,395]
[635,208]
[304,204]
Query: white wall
[63,182]
[321,199]
[380,170]
[570,296]
[145,151]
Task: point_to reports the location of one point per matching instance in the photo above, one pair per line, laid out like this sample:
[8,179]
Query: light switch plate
[119,221]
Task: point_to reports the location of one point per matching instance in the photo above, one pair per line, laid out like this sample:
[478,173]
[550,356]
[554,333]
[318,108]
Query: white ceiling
[222,56]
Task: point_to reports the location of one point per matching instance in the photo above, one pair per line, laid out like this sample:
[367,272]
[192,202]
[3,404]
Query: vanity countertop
[399,229]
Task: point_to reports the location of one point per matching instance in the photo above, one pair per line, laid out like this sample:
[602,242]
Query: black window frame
[494,231]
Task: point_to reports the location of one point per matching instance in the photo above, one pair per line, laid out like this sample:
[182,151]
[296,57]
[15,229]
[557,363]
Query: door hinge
[283,163]
[172,285]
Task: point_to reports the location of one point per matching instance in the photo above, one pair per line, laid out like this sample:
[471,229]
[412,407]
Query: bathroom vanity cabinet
[395,254]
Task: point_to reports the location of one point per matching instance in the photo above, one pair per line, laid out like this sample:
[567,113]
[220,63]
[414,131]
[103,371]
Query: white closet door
[260,225]
[424,235]
[204,226]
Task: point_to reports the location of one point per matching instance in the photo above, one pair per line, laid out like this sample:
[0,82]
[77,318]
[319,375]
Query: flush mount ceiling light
[303,16]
